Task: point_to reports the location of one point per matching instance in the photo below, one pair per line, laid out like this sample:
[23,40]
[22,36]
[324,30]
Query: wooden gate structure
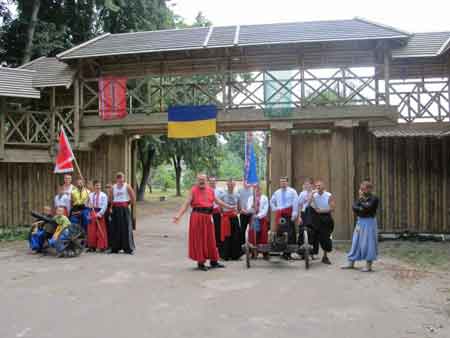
[343,100]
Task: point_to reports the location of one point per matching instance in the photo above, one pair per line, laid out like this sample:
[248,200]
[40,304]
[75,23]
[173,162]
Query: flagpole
[78,168]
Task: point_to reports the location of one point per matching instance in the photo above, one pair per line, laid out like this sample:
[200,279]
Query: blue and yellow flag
[192,121]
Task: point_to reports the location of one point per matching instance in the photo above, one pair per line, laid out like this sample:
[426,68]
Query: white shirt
[62,200]
[263,206]
[120,194]
[283,198]
[68,190]
[99,201]
[218,193]
[303,200]
[244,196]
[321,201]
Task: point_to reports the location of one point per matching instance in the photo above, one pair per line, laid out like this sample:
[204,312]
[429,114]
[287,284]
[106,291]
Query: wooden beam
[2,126]
[387,74]
[52,115]
[15,155]
[76,118]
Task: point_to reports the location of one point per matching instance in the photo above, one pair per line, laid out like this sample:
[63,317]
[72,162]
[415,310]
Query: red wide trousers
[262,236]
[97,237]
[202,238]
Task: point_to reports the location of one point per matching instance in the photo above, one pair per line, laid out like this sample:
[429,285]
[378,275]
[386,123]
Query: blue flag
[251,174]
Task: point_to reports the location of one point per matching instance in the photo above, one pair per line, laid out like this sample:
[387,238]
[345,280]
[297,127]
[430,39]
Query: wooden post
[2,127]
[224,88]
[344,88]
[342,170]
[302,84]
[76,112]
[448,85]
[377,86]
[133,181]
[387,74]
[52,115]
[281,153]
[268,161]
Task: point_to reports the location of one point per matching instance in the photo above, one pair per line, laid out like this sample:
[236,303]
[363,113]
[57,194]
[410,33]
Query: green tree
[199,154]
[47,27]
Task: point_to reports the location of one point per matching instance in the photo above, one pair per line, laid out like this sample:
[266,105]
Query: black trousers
[323,226]
[216,220]
[121,230]
[231,247]
[245,220]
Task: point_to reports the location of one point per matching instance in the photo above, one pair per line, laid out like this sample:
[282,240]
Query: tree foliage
[62,24]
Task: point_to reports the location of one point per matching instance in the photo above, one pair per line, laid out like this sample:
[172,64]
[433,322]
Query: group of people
[104,216]
[219,220]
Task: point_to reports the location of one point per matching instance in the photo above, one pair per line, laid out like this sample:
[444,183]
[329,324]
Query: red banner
[65,156]
[112,96]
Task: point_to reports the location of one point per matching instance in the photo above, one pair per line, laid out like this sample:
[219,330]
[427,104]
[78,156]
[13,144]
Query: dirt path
[157,293]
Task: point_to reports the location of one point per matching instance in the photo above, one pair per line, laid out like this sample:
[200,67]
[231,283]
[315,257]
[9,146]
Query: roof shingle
[50,72]
[194,38]
[424,45]
[432,129]
[17,83]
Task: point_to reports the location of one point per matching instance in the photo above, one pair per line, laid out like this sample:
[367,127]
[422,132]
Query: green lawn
[169,195]
[423,255]
[9,234]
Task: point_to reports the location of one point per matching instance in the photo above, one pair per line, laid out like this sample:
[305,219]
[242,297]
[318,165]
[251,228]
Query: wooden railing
[266,90]
[36,128]
[282,91]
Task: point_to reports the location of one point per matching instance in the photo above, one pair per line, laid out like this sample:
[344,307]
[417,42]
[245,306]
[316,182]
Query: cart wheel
[306,254]
[247,255]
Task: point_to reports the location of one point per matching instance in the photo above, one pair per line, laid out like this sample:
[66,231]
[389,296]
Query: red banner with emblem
[112,96]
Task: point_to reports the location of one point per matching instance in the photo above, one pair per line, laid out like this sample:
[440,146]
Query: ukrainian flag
[192,121]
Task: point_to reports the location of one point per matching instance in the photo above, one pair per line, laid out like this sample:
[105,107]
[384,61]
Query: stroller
[71,242]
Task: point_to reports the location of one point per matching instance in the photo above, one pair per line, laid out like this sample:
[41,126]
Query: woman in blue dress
[365,235]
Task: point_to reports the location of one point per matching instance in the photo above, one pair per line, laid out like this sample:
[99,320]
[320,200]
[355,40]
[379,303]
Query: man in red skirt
[202,239]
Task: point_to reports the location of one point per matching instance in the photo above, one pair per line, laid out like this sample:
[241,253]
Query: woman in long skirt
[365,235]
[121,223]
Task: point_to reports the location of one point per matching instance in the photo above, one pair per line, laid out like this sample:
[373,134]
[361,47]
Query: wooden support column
[117,156]
[2,127]
[302,85]
[342,176]
[76,111]
[53,131]
[281,153]
[387,74]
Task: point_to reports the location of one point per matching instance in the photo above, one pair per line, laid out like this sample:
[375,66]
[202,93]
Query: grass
[422,254]
[170,194]
[10,234]
[425,255]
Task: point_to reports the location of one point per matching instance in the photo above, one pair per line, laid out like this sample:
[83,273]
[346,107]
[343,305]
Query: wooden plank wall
[328,157]
[31,186]
[411,176]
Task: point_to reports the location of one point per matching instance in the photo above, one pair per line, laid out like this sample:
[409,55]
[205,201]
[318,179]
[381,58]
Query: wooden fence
[411,175]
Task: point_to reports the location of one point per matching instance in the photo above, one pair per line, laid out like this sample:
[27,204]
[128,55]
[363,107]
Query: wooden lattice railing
[263,90]
[28,127]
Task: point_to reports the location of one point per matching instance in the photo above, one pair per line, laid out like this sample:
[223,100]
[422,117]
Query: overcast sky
[426,16]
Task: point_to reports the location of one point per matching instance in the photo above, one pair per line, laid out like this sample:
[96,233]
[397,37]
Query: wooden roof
[432,129]
[17,83]
[424,45]
[50,72]
[231,36]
